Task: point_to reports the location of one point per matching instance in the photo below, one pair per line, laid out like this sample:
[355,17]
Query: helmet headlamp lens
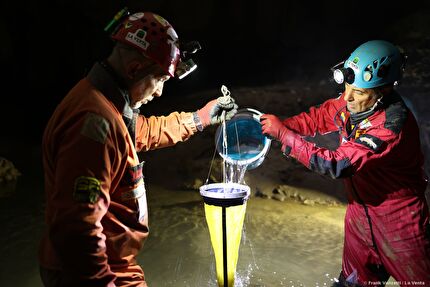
[338,76]
[184,68]
[186,65]
[344,75]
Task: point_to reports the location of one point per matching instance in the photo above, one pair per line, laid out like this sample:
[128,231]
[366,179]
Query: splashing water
[235,173]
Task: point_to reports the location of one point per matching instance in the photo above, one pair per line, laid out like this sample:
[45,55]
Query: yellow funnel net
[225,204]
[225,228]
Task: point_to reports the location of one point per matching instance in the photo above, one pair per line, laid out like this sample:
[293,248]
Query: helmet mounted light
[186,65]
[341,74]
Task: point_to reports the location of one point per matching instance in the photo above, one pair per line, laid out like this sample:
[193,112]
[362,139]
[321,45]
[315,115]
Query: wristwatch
[197,122]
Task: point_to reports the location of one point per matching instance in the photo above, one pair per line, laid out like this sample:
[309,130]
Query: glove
[212,112]
[272,127]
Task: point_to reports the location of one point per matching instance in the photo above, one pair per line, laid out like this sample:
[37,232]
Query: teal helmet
[373,64]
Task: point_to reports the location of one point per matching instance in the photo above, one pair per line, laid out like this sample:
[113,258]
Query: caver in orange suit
[96,207]
[96,211]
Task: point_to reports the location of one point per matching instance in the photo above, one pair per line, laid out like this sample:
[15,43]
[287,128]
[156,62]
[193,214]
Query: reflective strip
[134,193]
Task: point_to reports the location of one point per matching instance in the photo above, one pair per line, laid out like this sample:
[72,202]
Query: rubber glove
[211,113]
[272,127]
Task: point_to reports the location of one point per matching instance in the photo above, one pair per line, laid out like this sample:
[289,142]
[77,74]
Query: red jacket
[96,200]
[381,159]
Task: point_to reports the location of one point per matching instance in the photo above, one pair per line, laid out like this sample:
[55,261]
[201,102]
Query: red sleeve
[347,159]
[319,119]
[82,168]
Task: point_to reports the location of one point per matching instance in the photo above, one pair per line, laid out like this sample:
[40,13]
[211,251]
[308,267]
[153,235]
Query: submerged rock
[8,177]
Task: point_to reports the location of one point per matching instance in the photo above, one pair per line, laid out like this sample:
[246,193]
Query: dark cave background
[277,51]
[47,46]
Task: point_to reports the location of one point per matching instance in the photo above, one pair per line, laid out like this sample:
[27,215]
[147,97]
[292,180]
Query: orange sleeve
[158,132]
[82,167]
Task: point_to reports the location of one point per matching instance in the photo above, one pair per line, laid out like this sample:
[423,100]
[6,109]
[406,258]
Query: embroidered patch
[369,141]
[95,127]
[86,190]
[359,133]
[365,124]
[133,175]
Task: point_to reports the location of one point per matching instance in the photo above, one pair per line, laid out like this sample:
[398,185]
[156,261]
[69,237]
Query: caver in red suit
[380,160]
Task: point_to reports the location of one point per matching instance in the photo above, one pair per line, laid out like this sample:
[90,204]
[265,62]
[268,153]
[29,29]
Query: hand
[212,112]
[272,127]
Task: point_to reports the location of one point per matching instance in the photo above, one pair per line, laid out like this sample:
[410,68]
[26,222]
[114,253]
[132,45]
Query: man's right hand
[273,127]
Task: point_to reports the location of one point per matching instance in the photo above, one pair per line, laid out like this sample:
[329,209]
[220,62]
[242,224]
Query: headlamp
[341,74]
[338,76]
[184,68]
[185,65]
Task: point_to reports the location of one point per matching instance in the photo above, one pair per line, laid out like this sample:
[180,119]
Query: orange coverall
[96,211]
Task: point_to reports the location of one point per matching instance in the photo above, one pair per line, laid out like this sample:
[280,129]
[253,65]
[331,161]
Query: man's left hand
[212,112]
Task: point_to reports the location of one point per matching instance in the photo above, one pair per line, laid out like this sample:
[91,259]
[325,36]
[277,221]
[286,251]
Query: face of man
[147,87]
[358,99]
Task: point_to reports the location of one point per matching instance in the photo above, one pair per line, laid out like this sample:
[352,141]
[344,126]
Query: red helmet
[152,35]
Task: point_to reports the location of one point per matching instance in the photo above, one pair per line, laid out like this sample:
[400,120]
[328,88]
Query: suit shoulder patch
[370,142]
[396,115]
[95,127]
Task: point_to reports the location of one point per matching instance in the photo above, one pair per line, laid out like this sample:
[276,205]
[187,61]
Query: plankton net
[242,146]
